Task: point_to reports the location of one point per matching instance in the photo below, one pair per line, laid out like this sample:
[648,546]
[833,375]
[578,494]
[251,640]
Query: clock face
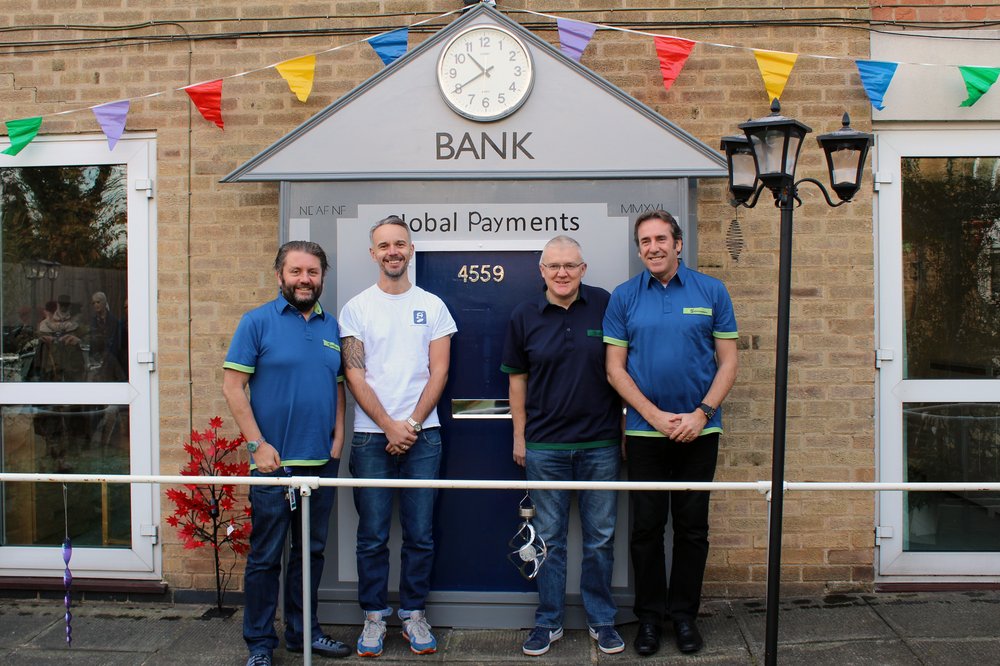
[485,73]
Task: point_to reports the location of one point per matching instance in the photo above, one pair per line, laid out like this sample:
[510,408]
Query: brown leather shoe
[688,637]
[647,641]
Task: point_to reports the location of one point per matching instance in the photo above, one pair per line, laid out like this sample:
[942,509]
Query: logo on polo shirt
[698,311]
[420,317]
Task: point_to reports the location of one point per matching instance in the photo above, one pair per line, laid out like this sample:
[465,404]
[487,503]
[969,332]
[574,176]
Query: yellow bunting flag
[299,73]
[775,67]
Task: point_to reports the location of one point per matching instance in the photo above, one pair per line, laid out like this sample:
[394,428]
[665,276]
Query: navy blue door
[472,527]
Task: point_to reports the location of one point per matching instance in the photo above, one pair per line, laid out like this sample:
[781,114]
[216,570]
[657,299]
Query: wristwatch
[254,444]
[416,425]
[709,410]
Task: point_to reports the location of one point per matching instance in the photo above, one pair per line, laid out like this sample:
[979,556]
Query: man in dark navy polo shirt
[671,355]
[288,352]
[567,427]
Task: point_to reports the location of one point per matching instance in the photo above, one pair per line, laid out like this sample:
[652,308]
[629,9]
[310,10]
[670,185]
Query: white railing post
[305,493]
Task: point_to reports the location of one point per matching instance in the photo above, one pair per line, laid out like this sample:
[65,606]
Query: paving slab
[72,657]
[112,633]
[942,615]
[979,651]
[842,619]
[849,653]
[20,625]
[217,638]
[504,646]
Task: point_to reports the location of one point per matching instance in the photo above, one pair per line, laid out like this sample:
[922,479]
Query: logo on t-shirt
[420,317]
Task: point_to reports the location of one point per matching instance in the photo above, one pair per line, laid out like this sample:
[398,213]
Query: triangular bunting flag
[673,53]
[111,118]
[876,77]
[978,81]
[21,132]
[299,73]
[390,45]
[207,97]
[574,37]
[775,68]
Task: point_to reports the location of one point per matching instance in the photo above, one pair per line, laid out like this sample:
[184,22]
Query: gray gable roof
[574,125]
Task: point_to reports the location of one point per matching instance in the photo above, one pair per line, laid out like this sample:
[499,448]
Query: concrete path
[960,628]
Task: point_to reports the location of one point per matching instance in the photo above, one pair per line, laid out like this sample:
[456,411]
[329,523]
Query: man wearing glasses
[567,427]
[671,355]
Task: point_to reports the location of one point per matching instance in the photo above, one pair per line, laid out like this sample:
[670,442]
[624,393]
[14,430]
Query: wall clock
[485,73]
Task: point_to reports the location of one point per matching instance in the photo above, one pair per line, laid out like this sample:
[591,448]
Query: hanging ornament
[67,553]
[529,547]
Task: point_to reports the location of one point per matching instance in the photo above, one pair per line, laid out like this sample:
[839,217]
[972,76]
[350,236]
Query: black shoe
[688,637]
[647,641]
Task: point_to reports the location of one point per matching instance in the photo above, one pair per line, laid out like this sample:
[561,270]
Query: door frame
[142,561]
[893,563]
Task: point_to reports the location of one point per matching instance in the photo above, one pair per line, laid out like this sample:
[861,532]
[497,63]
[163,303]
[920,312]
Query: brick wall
[215,241]
[934,11]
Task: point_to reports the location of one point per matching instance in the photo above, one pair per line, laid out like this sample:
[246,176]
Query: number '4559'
[481,273]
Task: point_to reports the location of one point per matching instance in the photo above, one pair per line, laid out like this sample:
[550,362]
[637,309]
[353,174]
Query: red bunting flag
[207,97]
[673,53]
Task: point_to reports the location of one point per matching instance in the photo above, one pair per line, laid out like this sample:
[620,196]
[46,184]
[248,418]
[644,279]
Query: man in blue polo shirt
[288,353]
[671,355]
[567,427]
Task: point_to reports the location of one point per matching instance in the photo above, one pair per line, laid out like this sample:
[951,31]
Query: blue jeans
[598,512]
[273,520]
[369,460]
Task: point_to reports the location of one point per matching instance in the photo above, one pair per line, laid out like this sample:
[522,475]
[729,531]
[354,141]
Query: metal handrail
[306,484]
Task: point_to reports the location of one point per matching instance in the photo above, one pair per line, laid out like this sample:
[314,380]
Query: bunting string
[574,35]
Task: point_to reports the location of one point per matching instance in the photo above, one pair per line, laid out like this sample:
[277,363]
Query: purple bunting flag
[111,118]
[574,37]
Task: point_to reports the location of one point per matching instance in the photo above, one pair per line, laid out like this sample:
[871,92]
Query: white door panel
[938,208]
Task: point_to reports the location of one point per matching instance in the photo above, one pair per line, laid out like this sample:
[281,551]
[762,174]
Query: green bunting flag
[21,132]
[978,81]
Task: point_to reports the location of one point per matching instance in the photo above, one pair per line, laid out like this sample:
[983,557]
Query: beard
[394,274]
[301,303]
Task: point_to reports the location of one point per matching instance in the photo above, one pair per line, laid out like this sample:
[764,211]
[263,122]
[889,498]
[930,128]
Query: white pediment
[396,125]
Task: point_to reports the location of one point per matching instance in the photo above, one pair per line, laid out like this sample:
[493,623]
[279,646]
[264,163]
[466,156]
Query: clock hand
[461,86]
[483,69]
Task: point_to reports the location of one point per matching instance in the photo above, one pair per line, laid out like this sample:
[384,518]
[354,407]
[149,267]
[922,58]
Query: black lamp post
[52,273]
[773,142]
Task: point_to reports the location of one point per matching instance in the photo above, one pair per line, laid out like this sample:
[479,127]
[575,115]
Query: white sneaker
[417,630]
[370,641]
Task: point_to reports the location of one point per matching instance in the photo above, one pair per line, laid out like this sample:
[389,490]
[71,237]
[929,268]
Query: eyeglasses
[569,268]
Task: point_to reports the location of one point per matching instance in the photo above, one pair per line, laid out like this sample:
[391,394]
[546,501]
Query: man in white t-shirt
[396,342]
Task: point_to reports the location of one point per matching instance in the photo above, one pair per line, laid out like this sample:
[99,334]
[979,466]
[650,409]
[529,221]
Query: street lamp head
[846,150]
[742,170]
[775,141]
[34,269]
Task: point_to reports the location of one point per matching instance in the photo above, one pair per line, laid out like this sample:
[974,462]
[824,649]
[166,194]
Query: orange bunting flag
[775,68]
[207,97]
[299,73]
[673,53]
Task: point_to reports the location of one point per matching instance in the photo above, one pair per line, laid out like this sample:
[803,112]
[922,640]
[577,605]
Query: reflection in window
[951,267]
[65,439]
[952,443]
[63,284]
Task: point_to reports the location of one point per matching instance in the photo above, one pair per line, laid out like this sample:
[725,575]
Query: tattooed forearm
[353,351]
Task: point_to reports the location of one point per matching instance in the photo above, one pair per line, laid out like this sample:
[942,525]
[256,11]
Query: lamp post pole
[787,205]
